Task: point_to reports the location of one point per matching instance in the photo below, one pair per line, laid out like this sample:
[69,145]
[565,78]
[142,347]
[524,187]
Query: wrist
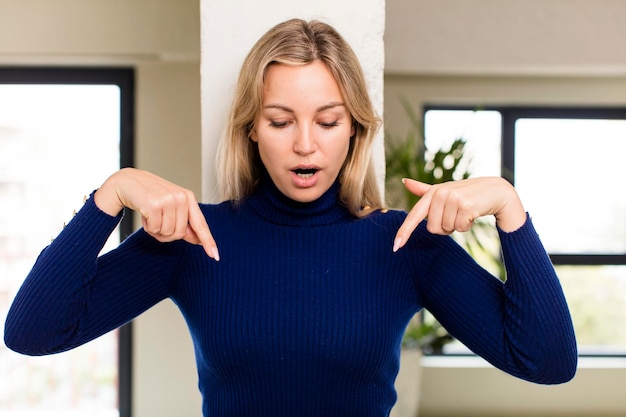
[106,198]
[510,224]
[512,216]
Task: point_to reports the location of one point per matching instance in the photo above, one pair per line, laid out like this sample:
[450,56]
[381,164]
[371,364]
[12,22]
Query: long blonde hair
[297,42]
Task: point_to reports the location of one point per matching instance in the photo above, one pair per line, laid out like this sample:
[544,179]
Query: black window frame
[124,78]
[510,115]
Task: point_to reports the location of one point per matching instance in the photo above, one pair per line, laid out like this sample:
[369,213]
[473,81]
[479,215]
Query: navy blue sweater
[305,312]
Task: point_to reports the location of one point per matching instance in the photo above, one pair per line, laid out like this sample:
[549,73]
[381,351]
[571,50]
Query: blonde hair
[297,42]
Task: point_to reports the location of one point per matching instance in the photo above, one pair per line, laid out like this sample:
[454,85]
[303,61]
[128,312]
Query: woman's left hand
[454,205]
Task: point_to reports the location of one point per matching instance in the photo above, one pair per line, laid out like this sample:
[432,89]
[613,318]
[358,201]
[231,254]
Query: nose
[304,143]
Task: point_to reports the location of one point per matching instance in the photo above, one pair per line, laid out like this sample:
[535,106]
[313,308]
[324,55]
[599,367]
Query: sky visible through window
[57,144]
[571,174]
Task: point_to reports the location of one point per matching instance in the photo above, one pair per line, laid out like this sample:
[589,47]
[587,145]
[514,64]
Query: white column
[230,28]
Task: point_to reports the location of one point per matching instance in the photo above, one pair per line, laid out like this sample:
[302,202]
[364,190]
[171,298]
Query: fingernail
[397,243]
[215,254]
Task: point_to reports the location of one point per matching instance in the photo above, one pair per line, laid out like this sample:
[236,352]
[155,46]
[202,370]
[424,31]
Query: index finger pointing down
[412,220]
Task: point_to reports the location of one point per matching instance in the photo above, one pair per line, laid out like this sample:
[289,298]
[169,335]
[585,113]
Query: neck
[275,207]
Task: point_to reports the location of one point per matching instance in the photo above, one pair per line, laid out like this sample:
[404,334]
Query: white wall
[505,37]
[168,143]
[103,32]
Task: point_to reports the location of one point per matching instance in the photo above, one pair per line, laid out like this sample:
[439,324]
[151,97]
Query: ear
[253,136]
[353,130]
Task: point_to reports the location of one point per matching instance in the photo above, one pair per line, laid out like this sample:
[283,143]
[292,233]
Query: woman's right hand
[168,212]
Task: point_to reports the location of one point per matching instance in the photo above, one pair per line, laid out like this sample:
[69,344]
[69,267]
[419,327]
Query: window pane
[481,130]
[571,175]
[596,296]
[57,143]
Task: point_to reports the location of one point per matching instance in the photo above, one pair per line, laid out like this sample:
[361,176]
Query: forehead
[299,82]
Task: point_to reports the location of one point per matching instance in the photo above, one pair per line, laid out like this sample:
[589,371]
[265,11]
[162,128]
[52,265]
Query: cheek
[263,155]
[269,153]
[344,148]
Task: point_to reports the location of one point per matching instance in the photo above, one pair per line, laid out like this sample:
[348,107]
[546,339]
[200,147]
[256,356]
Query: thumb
[416,187]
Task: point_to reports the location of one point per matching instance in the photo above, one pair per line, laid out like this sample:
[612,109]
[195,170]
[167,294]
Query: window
[567,165]
[62,132]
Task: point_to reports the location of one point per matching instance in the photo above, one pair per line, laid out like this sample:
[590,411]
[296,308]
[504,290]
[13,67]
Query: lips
[305,176]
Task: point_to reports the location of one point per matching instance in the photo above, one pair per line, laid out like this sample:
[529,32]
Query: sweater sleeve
[72,296]
[522,326]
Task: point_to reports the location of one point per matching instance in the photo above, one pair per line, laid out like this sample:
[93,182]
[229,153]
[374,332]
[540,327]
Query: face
[303,130]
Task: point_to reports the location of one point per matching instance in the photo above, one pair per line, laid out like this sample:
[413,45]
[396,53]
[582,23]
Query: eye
[328,125]
[278,124]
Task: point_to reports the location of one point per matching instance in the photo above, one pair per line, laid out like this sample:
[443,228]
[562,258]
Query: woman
[304,312]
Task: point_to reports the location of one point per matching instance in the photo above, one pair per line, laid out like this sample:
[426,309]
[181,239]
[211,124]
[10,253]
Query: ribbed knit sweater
[305,312]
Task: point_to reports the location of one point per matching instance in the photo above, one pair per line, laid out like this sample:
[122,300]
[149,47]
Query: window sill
[596,390]
[473,361]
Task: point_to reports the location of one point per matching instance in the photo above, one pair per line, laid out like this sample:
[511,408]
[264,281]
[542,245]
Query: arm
[523,326]
[71,296]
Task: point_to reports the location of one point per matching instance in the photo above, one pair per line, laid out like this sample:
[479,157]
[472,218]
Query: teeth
[305,173]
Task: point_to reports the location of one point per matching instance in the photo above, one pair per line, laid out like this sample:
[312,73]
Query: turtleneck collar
[272,205]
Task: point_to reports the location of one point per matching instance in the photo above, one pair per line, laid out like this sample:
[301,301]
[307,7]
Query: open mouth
[305,172]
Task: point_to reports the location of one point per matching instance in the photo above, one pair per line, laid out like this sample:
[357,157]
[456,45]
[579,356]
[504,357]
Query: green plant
[429,337]
[409,157]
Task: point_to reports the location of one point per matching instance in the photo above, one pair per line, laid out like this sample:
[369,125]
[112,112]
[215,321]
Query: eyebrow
[288,109]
